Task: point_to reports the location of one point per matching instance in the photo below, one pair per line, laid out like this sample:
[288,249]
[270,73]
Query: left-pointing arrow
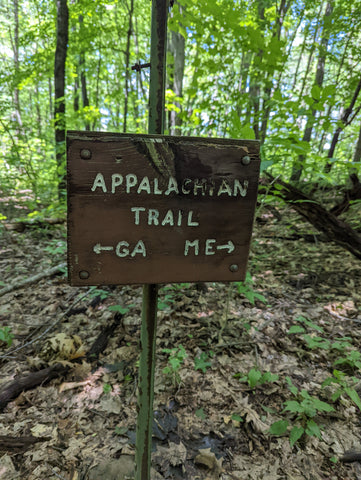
[98,248]
[228,246]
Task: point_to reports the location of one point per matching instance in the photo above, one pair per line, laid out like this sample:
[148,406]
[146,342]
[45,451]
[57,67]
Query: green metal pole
[150,292]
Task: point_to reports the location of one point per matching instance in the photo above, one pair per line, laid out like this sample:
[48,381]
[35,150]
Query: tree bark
[127,65]
[177,50]
[344,122]
[62,24]
[320,73]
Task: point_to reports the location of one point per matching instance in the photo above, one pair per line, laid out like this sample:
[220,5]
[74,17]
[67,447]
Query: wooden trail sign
[159,209]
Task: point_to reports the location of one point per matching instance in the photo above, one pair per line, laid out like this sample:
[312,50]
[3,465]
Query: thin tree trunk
[62,22]
[320,72]
[344,121]
[127,65]
[16,64]
[177,50]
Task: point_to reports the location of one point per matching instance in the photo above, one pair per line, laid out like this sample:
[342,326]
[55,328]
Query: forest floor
[229,368]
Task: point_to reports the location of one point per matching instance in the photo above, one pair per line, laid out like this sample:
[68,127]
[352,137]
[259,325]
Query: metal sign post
[150,291]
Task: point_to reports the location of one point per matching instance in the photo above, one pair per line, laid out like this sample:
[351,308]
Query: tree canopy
[285,72]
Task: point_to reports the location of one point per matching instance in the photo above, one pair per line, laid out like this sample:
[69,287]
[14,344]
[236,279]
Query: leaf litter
[213,411]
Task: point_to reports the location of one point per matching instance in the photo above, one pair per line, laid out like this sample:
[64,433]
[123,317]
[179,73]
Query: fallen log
[326,222]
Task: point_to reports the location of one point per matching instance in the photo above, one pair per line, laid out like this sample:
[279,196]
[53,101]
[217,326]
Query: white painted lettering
[144,186]
[139,249]
[136,211]
[189,244]
[200,184]
[153,216]
[209,250]
[131,181]
[157,191]
[184,190]
[190,222]
[224,188]
[122,249]
[241,189]
[212,186]
[172,186]
[180,217]
[99,182]
[117,180]
[168,219]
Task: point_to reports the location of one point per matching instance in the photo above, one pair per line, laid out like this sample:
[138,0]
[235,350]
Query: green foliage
[176,357]
[6,335]
[344,386]
[202,361]
[305,409]
[246,289]
[107,388]
[165,302]
[255,378]
[120,309]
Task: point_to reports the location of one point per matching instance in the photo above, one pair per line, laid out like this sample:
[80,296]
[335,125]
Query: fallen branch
[334,228]
[19,443]
[33,279]
[14,388]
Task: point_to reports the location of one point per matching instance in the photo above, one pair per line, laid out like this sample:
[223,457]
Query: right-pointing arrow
[228,246]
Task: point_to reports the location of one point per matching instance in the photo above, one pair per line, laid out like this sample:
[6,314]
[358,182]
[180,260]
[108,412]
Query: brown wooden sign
[159,209]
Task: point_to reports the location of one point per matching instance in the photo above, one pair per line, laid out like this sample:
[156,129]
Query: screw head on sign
[85,154]
[246,160]
[233,268]
[84,275]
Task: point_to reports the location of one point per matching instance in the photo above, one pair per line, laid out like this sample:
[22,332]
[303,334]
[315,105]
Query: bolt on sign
[159,209]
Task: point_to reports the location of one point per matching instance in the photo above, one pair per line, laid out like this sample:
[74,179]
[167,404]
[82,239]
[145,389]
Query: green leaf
[293,406]
[119,309]
[279,427]
[202,362]
[354,396]
[322,406]
[200,414]
[247,132]
[296,434]
[313,429]
[236,417]
[254,376]
[296,329]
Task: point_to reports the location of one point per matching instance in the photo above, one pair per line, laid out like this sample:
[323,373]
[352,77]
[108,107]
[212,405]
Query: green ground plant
[246,289]
[203,361]
[176,357]
[6,335]
[256,378]
[304,409]
[344,386]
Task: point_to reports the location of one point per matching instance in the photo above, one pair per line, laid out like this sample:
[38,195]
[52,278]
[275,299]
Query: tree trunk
[62,22]
[177,50]
[354,193]
[344,121]
[127,65]
[320,73]
[16,64]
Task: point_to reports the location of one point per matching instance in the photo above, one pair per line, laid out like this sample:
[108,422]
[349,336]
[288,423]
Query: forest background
[285,72]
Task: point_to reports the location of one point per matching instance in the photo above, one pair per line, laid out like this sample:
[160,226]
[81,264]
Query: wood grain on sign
[159,209]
